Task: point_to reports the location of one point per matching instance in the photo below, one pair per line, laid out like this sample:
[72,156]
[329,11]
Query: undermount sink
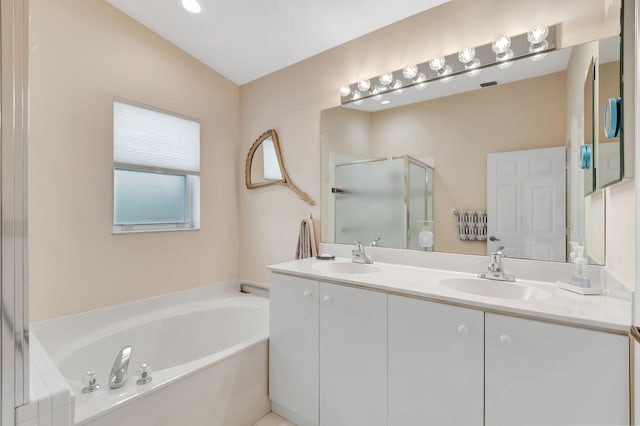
[498,289]
[347,267]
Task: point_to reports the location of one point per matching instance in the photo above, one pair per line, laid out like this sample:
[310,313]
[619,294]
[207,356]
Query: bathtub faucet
[118,376]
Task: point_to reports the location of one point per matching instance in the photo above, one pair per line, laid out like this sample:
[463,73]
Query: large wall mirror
[481,160]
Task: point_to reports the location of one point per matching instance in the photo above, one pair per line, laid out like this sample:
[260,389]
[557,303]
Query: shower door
[14,351]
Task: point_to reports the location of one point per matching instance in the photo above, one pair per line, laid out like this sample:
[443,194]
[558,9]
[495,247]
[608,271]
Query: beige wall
[291,99]
[83,54]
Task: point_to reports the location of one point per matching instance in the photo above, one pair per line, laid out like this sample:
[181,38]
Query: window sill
[120,231]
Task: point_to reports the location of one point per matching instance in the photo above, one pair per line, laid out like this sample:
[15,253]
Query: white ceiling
[247,39]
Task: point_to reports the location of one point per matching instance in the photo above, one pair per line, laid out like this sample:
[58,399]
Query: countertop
[602,312]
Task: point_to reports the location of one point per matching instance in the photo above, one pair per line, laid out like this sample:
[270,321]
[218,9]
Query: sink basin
[347,267]
[498,289]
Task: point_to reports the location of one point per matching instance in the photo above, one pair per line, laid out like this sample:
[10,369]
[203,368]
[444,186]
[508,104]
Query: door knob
[492,238]
[505,339]
[463,329]
[327,298]
[306,293]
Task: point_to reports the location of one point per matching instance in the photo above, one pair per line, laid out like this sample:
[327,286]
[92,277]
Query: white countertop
[604,312]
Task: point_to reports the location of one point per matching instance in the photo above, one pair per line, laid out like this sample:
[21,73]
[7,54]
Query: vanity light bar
[502,51]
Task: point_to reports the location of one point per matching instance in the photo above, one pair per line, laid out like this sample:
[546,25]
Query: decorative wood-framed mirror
[264,166]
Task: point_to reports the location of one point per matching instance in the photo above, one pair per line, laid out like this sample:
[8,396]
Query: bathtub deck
[272,419]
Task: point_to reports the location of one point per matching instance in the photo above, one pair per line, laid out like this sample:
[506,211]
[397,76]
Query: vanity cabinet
[548,374]
[327,353]
[436,363]
[353,356]
[294,348]
[345,356]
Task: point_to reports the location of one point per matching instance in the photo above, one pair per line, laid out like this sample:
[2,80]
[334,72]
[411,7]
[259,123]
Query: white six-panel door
[526,203]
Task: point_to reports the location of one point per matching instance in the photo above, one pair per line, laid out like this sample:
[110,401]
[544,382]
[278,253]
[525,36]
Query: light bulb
[345,91]
[501,45]
[420,78]
[356,95]
[446,70]
[364,85]
[437,63]
[467,55]
[410,71]
[538,34]
[386,79]
[539,47]
[474,72]
[505,56]
[396,84]
[538,57]
[191,6]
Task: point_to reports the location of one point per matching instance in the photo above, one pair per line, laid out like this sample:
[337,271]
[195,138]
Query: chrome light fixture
[470,61]
[386,79]
[345,91]
[364,85]
[410,71]
[538,34]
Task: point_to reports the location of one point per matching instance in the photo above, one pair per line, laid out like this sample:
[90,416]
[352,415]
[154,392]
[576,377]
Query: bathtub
[207,349]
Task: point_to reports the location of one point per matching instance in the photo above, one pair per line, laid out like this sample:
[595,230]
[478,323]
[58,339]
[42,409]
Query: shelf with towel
[472,224]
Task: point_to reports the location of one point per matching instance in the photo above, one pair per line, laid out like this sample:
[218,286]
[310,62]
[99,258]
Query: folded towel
[306,240]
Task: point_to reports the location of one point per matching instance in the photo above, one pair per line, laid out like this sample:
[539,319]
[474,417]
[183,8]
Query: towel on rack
[306,240]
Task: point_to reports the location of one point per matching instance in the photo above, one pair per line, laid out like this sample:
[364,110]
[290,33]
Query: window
[156,170]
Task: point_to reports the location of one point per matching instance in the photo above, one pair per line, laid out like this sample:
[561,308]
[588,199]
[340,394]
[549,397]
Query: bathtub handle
[307,293]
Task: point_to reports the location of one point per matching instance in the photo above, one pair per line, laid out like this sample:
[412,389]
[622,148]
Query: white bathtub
[207,348]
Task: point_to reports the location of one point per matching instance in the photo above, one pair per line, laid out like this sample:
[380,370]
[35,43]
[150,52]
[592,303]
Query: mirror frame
[286,180]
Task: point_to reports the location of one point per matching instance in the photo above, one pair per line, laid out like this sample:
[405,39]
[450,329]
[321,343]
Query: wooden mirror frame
[286,180]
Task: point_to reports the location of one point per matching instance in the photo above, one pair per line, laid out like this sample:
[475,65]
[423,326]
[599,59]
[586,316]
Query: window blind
[149,138]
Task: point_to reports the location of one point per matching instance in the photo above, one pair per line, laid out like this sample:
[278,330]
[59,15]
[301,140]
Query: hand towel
[306,240]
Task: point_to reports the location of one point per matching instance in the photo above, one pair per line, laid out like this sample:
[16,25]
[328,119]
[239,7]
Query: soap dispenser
[579,282]
[579,277]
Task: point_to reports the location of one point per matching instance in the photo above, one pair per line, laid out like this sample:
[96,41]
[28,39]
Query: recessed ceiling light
[191,6]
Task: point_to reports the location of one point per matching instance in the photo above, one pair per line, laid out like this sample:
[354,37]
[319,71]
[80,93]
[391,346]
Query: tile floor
[272,419]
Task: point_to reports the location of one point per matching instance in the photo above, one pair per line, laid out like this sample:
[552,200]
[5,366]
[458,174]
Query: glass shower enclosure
[385,200]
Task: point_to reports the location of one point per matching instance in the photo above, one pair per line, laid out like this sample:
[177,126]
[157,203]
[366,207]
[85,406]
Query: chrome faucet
[376,242]
[359,255]
[495,270]
[118,376]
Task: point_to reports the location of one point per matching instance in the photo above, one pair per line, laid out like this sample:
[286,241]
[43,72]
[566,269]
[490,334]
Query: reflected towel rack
[472,224]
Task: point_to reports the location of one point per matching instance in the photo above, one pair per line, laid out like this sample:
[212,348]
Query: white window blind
[148,138]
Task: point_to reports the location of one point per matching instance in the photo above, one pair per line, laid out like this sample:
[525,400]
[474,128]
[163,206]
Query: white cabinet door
[353,357]
[540,374]
[436,364]
[293,349]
